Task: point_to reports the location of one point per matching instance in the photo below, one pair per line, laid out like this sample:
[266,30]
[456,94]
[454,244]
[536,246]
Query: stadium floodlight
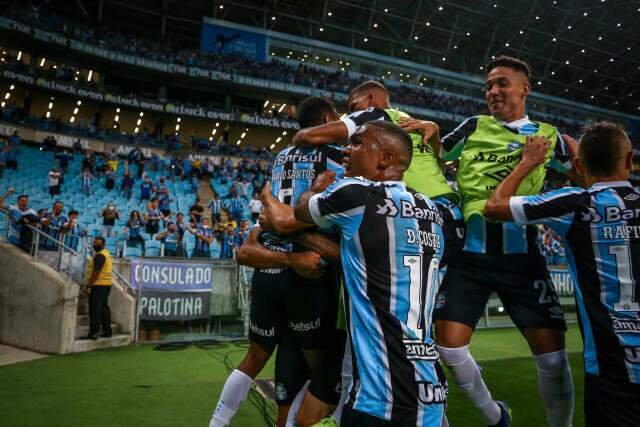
[50,105]
[42,62]
[415,37]
[375,25]
[321,29]
[79,102]
[243,135]
[221,6]
[468,34]
[272,146]
[73,119]
[281,108]
[386,10]
[507,44]
[406,50]
[238,142]
[141,113]
[214,131]
[3,104]
[330,14]
[139,122]
[428,24]
[580,80]
[444,59]
[440,8]
[273,18]
[11,87]
[19,55]
[278,139]
[177,128]
[48,114]
[179,119]
[554,39]
[118,110]
[284,133]
[116,118]
[365,40]
[89,75]
[566,62]
[217,124]
[7,95]
[75,110]
[136,130]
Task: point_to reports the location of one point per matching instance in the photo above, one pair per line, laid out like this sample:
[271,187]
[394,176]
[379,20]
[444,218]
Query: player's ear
[628,161]
[579,166]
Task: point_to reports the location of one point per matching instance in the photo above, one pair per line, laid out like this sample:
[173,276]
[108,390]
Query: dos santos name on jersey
[409,210]
[294,174]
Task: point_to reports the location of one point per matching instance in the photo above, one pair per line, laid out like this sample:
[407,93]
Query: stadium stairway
[82,329]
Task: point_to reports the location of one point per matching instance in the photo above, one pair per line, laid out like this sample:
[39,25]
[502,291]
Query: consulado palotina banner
[172,290]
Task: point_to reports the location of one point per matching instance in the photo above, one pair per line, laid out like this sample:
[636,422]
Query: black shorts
[307,307]
[353,418]
[521,281]
[453,228]
[326,383]
[610,403]
[291,371]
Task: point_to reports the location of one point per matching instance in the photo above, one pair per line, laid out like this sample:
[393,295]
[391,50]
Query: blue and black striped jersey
[391,246]
[601,226]
[293,172]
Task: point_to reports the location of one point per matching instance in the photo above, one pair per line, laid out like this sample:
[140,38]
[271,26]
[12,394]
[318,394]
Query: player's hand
[572,145]
[535,150]
[307,264]
[323,180]
[427,128]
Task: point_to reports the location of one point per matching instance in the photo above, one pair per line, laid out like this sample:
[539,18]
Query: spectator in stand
[77,146]
[146,188]
[204,238]
[99,164]
[55,223]
[244,232]
[134,229]
[12,156]
[109,178]
[557,252]
[164,200]
[234,206]
[63,160]
[195,182]
[186,168]
[170,240]
[86,184]
[243,188]
[196,211]
[215,205]
[54,182]
[152,217]
[255,206]
[229,242]
[73,230]
[162,185]
[127,185]
[109,216]
[21,214]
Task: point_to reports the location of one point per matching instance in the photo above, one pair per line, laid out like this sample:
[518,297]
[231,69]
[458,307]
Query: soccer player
[369,102]
[601,226]
[502,257]
[391,246]
[282,298]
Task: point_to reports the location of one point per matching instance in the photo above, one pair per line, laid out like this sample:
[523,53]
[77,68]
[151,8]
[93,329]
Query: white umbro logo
[389,208]
[631,197]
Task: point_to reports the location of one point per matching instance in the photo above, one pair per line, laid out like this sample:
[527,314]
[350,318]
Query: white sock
[556,387]
[295,405]
[347,379]
[466,374]
[233,394]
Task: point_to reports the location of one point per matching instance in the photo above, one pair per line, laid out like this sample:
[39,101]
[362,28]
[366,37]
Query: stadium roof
[584,50]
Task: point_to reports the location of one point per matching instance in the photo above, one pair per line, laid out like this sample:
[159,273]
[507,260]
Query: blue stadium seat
[152,248]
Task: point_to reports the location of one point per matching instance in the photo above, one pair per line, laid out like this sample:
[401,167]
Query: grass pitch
[137,386]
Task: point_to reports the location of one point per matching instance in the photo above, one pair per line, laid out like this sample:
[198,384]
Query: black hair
[73,212]
[601,146]
[311,110]
[396,134]
[23,195]
[99,238]
[509,62]
[368,85]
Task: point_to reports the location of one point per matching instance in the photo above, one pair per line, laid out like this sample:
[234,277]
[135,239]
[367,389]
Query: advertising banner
[171,275]
[166,306]
[223,40]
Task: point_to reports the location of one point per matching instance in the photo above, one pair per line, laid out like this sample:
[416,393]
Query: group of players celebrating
[352,237]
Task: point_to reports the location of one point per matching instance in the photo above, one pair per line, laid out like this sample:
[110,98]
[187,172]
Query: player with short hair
[503,257]
[290,296]
[391,245]
[601,227]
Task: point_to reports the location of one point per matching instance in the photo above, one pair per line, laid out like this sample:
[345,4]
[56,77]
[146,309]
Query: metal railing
[43,247]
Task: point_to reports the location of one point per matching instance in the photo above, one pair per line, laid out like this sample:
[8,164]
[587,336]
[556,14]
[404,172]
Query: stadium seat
[152,248]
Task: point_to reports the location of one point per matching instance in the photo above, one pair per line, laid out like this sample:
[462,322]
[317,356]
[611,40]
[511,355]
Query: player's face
[362,155]
[505,91]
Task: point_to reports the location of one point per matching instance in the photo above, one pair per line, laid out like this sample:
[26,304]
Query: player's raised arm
[279,216]
[533,155]
[329,133]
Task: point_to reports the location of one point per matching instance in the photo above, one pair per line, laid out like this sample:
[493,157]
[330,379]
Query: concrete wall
[38,306]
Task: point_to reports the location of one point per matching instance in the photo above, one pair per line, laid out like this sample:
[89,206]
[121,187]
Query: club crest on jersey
[418,350]
[515,145]
[430,394]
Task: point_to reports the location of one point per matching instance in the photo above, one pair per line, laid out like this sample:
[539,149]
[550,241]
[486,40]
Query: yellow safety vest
[104,277]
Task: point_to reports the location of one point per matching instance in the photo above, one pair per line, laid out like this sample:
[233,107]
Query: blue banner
[171,275]
[221,40]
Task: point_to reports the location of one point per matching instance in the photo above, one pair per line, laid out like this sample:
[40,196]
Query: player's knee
[453,356]
[255,359]
[552,364]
